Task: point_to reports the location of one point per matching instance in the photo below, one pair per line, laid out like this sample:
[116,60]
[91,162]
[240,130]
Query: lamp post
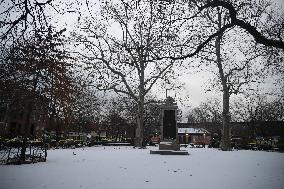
[186,138]
[203,140]
[186,134]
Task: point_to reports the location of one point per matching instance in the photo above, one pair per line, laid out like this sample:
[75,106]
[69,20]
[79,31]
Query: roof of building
[192,130]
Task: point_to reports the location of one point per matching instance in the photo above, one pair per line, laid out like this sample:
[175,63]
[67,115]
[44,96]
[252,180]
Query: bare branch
[259,38]
[199,47]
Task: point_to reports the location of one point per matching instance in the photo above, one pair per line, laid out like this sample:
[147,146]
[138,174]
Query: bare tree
[231,62]
[125,63]
[83,109]
[231,80]
[208,111]
[258,106]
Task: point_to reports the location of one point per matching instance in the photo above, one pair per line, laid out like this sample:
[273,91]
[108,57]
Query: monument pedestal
[169,146]
[169,152]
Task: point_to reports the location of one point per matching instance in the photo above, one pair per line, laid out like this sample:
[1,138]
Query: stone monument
[169,144]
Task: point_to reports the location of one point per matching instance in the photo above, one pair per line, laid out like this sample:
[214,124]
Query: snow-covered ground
[128,168]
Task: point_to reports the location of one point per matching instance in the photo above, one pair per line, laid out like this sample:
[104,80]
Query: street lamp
[186,138]
[186,134]
[203,140]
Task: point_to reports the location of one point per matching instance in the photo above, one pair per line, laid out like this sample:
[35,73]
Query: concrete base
[169,146]
[169,152]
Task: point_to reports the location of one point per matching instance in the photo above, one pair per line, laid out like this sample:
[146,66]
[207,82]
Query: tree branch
[199,47]
[259,38]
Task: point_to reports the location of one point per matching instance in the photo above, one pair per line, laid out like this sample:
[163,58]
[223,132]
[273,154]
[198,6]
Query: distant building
[194,135]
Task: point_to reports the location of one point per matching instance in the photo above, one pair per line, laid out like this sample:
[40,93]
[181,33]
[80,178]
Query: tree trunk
[29,109]
[139,134]
[117,133]
[226,137]
[26,129]
[226,133]
[6,118]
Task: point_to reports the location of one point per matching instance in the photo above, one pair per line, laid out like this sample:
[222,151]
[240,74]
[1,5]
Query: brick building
[194,135]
